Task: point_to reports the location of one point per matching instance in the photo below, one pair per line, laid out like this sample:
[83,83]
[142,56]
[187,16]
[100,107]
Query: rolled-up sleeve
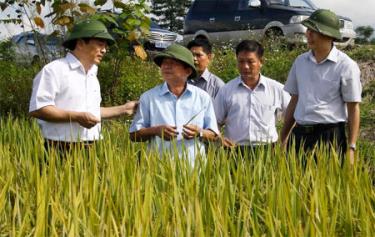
[219,106]
[291,83]
[351,87]
[210,118]
[142,117]
[45,88]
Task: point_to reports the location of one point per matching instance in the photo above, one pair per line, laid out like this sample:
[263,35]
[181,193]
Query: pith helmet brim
[325,22]
[180,53]
[88,29]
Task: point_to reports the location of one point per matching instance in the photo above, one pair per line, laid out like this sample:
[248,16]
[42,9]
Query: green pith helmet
[88,29]
[325,22]
[180,53]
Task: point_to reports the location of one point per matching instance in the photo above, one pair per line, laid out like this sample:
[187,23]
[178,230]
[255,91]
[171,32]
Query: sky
[360,11]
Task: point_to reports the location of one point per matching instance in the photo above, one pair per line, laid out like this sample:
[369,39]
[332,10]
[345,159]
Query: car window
[204,5]
[276,2]
[225,5]
[293,3]
[300,4]
[154,25]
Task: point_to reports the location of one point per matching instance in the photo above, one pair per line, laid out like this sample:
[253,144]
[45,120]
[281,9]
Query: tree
[363,34]
[170,14]
[127,26]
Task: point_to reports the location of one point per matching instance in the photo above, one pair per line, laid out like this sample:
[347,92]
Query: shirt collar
[206,75]
[261,83]
[332,56]
[74,63]
[165,90]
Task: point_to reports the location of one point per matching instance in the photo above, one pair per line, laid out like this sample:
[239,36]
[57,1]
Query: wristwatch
[201,133]
[352,147]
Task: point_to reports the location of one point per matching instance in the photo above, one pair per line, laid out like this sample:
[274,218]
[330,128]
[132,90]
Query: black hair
[71,45]
[250,46]
[200,42]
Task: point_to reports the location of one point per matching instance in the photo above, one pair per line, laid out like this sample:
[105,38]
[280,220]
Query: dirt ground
[367,77]
[367,72]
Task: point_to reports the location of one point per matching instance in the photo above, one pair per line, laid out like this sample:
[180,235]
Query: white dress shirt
[249,115]
[323,88]
[64,83]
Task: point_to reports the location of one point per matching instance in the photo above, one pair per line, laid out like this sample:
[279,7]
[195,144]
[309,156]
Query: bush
[127,81]
[15,87]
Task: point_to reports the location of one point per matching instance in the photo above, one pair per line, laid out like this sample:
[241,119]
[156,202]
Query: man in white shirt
[66,92]
[248,105]
[326,90]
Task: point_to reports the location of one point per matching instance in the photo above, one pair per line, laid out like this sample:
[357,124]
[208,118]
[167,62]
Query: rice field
[118,189]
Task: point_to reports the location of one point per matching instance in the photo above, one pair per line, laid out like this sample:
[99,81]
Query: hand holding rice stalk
[189,130]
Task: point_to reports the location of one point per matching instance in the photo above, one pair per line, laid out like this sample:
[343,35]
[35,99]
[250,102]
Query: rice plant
[118,188]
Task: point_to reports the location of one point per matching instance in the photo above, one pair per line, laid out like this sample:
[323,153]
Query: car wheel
[274,37]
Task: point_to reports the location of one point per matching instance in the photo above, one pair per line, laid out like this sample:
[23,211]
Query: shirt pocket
[328,89]
[265,114]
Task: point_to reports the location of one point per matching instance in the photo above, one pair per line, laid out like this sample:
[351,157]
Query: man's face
[249,65]
[316,39]
[173,70]
[201,59]
[94,50]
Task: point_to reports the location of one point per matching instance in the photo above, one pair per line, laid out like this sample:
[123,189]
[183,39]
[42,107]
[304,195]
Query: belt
[68,145]
[317,127]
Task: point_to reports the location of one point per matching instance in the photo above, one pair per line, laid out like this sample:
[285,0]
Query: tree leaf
[65,6]
[99,2]
[63,20]
[85,8]
[39,21]
[38,8]
[140,52]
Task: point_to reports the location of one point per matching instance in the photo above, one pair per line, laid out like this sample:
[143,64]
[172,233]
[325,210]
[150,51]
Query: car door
[224,22]
[252,18]
[201,16]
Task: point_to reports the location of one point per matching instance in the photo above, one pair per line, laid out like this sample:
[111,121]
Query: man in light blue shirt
[175,113]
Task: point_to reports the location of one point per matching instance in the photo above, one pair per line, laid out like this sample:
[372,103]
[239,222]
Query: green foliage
[118,189]
[127,82]
[224,63]
[362,53]
[6,51]
[170,13]
[15,87]
[363,34]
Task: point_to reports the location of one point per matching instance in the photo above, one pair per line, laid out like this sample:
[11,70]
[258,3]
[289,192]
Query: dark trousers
[64,147]
[249,151]
[306,137]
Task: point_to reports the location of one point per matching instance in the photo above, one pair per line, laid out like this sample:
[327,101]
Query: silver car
[32,46]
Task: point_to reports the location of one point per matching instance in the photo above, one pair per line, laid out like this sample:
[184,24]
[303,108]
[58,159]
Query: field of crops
[118,189]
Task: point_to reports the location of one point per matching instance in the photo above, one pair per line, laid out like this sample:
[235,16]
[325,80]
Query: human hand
[130,107]
[190,131]
[86,119]
[166,132]
[226,142]
[351,156]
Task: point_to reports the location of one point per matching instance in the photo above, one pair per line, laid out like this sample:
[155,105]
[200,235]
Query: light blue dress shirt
[159,106]
[324,88]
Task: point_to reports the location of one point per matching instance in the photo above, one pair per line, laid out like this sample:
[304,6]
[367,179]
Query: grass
[118,189]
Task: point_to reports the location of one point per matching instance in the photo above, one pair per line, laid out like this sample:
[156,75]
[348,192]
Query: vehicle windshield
[294,3]
[154,25]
